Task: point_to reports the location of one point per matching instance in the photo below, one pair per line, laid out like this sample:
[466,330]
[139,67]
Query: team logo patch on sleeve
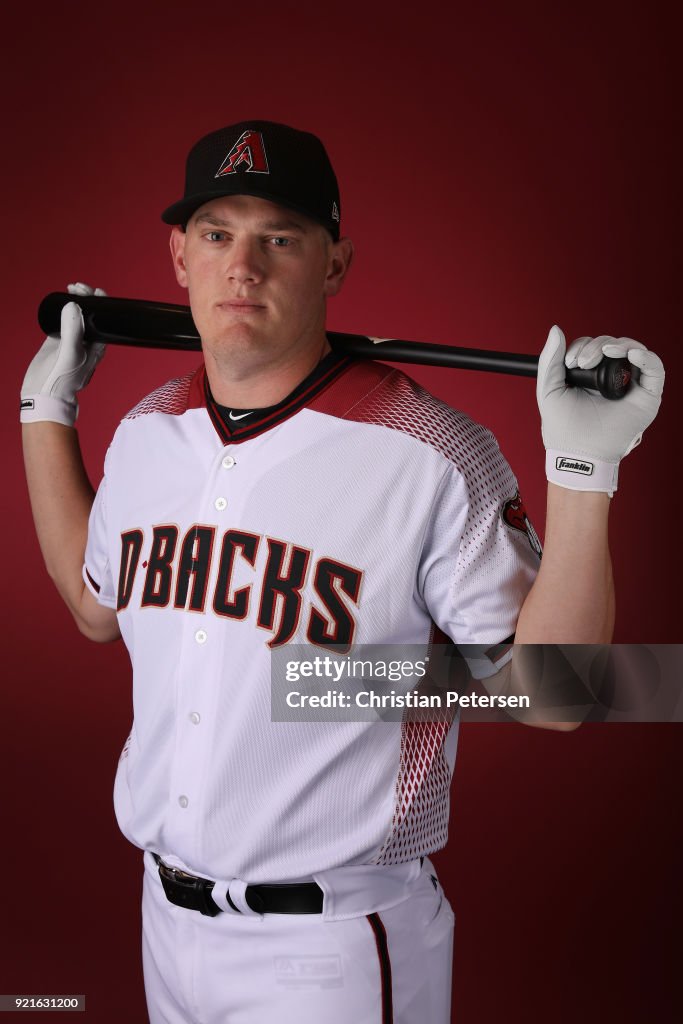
[514,515]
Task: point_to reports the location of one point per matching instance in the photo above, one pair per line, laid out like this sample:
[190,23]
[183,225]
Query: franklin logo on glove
[575,467]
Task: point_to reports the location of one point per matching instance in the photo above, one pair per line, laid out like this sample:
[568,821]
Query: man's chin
[235,336]
[239,349]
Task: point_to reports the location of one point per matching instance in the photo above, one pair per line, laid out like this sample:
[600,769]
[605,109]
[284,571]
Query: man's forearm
[61,494]
[572,599]
[61,498]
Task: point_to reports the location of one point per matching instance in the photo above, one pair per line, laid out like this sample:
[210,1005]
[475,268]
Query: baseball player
[286,494]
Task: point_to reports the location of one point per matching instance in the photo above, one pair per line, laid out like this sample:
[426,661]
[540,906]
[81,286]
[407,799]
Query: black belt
[194,893]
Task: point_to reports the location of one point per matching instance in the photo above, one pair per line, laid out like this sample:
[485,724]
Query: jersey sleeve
[480,558]
[97,569]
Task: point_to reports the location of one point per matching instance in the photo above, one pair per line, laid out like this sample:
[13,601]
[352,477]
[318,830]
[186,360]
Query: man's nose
[245,261]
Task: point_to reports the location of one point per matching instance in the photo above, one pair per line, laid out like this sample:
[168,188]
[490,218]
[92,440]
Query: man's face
[258,276]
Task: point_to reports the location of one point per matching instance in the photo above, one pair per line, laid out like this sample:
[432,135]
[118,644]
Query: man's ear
[177,244]
[341,257]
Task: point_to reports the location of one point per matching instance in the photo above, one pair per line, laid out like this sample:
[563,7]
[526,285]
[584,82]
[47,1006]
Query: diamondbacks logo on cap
[248,154]
[335,212]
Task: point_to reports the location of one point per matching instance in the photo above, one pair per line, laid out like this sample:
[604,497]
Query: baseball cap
[264,159]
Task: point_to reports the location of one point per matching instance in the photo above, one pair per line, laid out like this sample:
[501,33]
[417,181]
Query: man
[282,494]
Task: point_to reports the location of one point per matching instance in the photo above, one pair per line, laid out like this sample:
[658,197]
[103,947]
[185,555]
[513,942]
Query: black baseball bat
[148,324]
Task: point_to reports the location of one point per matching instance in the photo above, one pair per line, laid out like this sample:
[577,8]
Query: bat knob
[611,377]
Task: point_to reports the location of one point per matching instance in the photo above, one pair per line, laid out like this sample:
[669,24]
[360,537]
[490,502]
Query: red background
[501,170]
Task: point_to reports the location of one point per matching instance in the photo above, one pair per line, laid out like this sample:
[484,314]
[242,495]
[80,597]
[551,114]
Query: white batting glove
[586,435]
[63,366]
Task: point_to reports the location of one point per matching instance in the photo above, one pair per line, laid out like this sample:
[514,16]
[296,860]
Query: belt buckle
[188,891]
[177,874]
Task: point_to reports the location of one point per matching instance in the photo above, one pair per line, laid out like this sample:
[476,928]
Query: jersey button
[195,717]
[220,504]
[228,462]
[183,801]
[200,636]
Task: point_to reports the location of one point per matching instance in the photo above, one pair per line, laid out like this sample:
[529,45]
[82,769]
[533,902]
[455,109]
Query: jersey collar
[332,366]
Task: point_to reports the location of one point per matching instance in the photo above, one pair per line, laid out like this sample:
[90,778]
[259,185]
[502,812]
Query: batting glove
[63,366]
[586,435]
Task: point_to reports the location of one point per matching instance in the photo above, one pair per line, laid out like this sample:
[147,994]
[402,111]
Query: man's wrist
[580,473]
[40,408]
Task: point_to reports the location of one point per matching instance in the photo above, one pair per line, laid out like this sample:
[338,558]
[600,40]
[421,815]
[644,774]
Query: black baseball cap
[264,159]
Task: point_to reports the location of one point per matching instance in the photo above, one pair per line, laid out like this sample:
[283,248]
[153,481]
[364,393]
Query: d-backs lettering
[179,570]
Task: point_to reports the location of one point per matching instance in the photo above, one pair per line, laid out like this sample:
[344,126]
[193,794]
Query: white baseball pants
[389,967]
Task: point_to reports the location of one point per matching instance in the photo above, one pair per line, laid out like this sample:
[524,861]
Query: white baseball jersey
[361,510]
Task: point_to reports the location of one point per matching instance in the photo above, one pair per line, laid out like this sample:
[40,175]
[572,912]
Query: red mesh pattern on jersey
[402,404]
[420,823]
[171,398]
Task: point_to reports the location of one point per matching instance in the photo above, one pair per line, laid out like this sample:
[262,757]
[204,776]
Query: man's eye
[280,242]
[215,236]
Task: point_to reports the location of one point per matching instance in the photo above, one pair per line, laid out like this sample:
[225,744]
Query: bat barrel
[118,321]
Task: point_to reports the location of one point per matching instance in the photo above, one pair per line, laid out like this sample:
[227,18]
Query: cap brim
[180,212]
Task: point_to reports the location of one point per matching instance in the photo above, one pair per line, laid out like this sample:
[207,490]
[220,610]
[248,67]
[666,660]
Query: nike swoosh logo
[241,415]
